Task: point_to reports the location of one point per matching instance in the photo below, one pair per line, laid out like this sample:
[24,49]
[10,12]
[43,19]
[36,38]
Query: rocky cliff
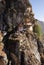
[20,43]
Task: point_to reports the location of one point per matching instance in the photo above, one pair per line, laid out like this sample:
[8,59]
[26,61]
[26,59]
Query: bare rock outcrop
[3,56]
[20,43]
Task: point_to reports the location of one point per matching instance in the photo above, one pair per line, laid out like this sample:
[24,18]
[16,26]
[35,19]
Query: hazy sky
[38,8]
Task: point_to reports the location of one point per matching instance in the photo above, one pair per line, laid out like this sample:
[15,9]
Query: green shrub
[37,30]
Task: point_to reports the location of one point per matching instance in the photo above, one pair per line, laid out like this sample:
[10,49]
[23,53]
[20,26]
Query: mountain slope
[42,25]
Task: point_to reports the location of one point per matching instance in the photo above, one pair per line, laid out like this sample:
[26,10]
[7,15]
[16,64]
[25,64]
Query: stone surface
[3,56]
[20,44]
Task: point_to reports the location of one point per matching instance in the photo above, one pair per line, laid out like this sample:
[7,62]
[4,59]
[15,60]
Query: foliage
[37,30]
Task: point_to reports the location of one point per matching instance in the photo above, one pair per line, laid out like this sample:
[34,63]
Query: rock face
[20,43]
[29,49]
[13,13]
[3,56]
[41,49]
